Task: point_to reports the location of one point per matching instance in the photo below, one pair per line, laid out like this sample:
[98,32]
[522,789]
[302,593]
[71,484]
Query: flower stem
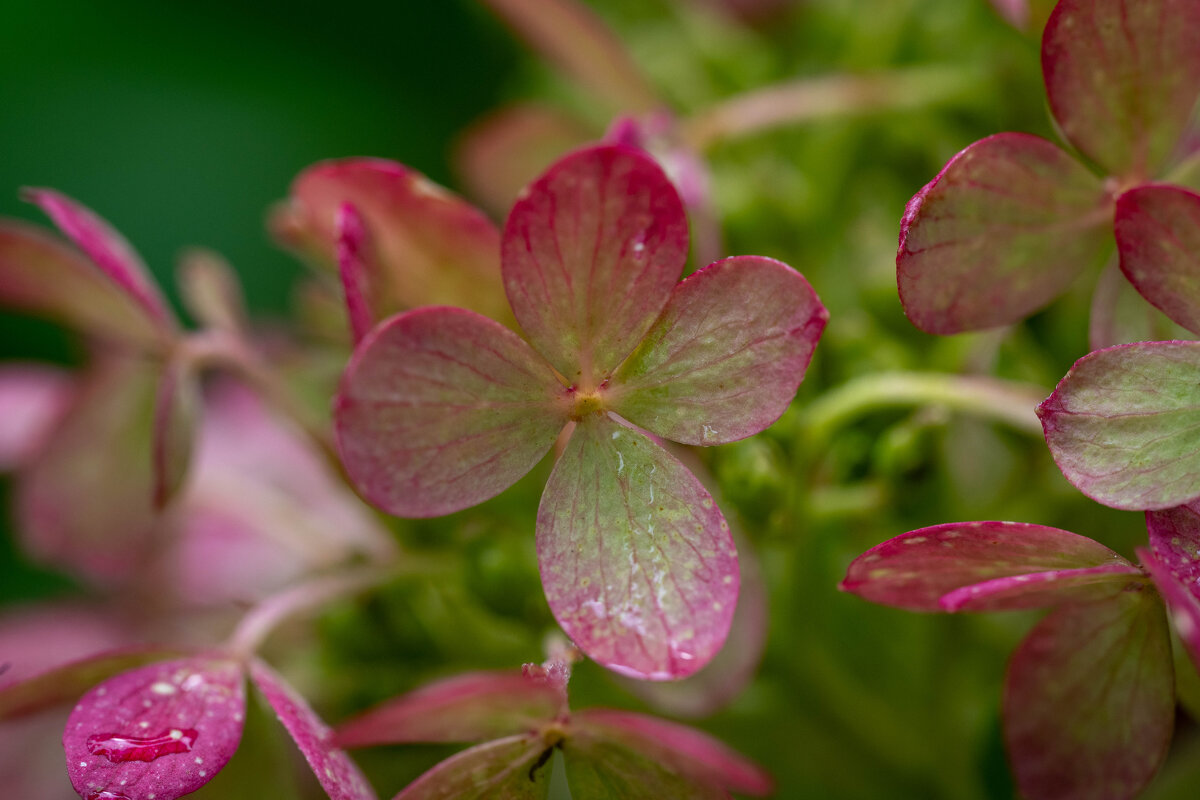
[828,97]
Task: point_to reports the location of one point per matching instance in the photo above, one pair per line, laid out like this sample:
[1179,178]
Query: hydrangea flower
[517,721]
[1089,698]
[1013,219]
[441,408]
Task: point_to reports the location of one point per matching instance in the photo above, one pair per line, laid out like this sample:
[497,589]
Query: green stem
[827,97]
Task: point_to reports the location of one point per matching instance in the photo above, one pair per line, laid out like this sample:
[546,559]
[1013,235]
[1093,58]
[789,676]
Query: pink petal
[1122,78]
[578,42]
[498,155]
[1158,237]
[107,249]
[590,254]
[637,562]
[75,510]
[157,732]
[38,637]
[441,409]
[504,769]
[466,708]
[431,247]
[1179,592]
[356,269]
[25,693]
[1002,230]
[338,775]
[1089,700]
[1123,425]
[686,749]
[38,273]
[726,356]
[1175,540]
[32,400]
[175,412]
[976,566]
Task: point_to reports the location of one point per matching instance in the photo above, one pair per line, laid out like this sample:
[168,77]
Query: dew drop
[119,749]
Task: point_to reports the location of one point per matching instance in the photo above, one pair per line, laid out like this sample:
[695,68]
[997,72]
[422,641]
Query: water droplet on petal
[118,748]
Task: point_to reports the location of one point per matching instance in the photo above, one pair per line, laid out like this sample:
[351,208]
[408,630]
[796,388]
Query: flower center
[586,403]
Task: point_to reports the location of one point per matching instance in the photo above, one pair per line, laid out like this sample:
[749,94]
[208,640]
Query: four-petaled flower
[1089,699]
[441,408]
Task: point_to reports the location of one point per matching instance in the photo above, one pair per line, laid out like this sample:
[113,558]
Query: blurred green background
[182,123]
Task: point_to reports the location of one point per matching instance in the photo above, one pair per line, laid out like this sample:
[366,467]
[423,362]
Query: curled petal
[157,732]
[590,255]
[725,358]
[1001,231]
[355,268]
[1089,700]
[1124,425]
[1158,237]
[975,566]
[466,708]
[637,562]
[441,409]
[1122,78]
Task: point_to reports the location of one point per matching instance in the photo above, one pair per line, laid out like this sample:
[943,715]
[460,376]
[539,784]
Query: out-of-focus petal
[32,400]
[1158,237]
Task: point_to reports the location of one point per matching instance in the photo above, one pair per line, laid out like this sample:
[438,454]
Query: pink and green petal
[637,563]
[1120,315]
[578,42]
[976,566]
[431,246]
[687,750]
[590,254]
[338,775]
[441,409]
[176,417]
[107,249]
[466,708]
[1124,425]
[514,768]
[1122,78]
[64,683]
[75,510]
[500,154]
[1089,700]
[1158,237]
[601,766]
[1181,600]
[157,732]
[1175,540]
[42,275]
[32,401]
[1003,229]
[725,357]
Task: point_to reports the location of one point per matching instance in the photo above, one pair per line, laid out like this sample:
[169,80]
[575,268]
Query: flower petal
[39,273]
[1175,540]
[211,290]
[431,246]
[637,562]
[176,416]
[356,268]
[157,732]
[498,155]
[1002,230]
[504,769]
[686,749]
[1120,315]
[590,255]
[75,510]
[107,249]
[577,41]
[1158,237]
[1124,425]
[466,708]
[1089,700]
[1181,601]
[441,409]
[976,566]
[601,766]
[32,400]
[726,356]
[337,774]
[1122,78]
[65,682]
